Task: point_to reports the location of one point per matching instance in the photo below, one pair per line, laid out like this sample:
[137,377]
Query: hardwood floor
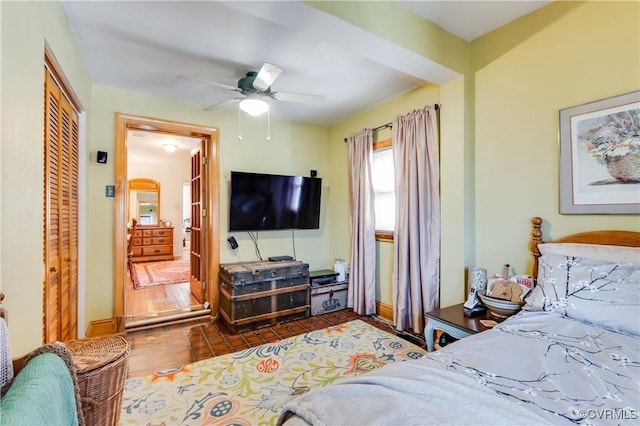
[159,347]
[153,303]
[155,300]
[170,346]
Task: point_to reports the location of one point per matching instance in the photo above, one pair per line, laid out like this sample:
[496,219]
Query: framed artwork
[600,157]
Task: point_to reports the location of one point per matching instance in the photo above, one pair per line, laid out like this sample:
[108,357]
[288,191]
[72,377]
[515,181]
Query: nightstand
[452,321]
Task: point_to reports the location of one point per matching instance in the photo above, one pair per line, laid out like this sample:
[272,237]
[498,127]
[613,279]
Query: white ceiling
[472,19]
[144,45]
[148,148]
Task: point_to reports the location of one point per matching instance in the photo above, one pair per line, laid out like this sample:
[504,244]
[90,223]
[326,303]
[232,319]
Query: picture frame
[600,156]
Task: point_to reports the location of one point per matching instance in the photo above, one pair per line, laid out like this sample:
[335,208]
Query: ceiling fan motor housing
[245,84]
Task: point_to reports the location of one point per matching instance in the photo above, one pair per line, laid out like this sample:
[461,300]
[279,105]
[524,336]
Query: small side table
[452,321]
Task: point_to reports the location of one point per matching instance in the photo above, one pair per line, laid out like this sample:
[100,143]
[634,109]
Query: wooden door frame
[125,122]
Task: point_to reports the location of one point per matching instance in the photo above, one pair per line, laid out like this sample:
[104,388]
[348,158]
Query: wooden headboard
[3,312]
[612,238]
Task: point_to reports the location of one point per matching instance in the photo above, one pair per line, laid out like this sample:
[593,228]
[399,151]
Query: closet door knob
[53,269]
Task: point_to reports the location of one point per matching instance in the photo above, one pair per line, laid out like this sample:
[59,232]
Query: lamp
[169,147]
[254,107]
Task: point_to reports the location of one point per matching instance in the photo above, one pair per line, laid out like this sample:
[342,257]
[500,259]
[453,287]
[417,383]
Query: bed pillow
[605,294]
[593,251]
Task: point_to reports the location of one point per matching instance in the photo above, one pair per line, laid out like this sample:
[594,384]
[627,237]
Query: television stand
[259,294]
[280,258]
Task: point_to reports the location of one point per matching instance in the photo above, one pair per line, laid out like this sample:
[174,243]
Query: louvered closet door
[60,287]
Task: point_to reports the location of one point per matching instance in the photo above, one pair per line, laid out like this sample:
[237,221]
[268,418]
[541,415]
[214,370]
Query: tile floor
[170,346]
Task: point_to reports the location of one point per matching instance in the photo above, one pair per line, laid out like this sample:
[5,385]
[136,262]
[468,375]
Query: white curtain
[361,295]
[416,260]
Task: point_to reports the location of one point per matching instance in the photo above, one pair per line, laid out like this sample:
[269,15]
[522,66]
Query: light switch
[110,190]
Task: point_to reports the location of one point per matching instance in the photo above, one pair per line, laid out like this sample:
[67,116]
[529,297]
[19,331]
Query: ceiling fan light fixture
[170,147]
[254,107]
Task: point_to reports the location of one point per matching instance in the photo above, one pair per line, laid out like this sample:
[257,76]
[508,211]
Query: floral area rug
[147,274]
[250,387]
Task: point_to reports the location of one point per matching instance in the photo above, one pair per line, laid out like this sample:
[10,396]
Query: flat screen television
[261,201]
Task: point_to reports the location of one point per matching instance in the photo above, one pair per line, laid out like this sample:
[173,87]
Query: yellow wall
[499,126]
[499,154]
[563,55]
[339,199]
[453,184]
[393,22]
[294,149]
[25,27]
[457,203]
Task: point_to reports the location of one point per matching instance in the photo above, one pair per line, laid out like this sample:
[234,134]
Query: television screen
[268,202]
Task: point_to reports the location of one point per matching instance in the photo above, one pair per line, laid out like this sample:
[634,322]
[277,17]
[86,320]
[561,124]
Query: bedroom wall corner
[25,28]
[428,94]
[562,55]
[295,148]
[456,186]
[447,53]
[391,21]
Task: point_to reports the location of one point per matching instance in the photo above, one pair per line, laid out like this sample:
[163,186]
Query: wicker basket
[102,369]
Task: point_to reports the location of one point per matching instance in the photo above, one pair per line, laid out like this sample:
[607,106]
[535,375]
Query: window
[384,190]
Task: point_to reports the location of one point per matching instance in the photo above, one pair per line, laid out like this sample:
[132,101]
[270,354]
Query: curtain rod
[384,126]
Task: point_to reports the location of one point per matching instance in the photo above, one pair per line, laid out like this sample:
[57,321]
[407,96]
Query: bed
[572,355]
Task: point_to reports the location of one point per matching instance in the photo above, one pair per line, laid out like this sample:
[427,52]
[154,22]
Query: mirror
[144,201]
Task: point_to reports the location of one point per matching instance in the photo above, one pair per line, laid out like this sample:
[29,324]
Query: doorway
[208,238]
[159,268]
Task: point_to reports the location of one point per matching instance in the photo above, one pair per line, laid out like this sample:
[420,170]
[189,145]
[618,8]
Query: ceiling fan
[253,88]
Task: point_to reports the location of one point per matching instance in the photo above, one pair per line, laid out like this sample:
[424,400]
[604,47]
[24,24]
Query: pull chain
[268,125]
[239,124]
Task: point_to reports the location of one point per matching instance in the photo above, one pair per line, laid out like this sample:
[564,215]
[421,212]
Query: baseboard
[385,311]
[104,327]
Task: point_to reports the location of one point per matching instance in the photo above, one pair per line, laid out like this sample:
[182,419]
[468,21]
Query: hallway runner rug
[147,274]
[251,386]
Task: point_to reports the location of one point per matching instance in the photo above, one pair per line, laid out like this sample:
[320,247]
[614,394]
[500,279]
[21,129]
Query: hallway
[155,302]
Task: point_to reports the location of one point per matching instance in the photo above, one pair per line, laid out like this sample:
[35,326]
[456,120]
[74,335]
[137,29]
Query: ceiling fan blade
[211,83]
[296,97]
[221,104]
[266,76]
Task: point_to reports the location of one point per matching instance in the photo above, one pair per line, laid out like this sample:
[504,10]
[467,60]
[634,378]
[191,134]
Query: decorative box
[329,297]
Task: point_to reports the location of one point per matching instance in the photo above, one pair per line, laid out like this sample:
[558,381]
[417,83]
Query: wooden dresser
[149,243]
